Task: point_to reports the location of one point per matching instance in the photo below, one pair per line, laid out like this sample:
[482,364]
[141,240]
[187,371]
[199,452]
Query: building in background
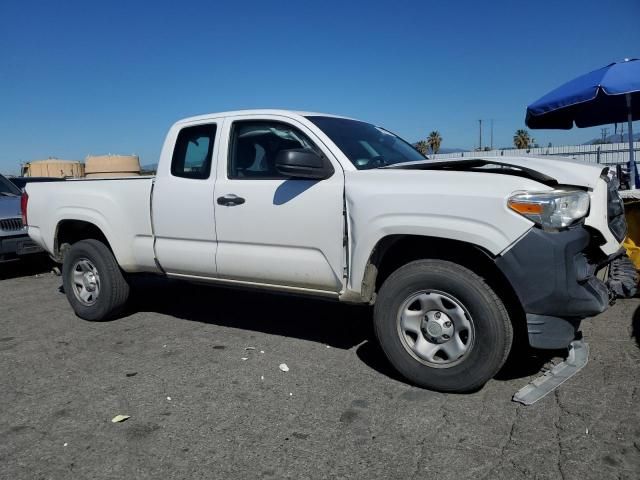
[53,167]
[94,166]
[100,166]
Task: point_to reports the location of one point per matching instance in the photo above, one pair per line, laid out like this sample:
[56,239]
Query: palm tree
[422,147]
[522,139]
[434,140]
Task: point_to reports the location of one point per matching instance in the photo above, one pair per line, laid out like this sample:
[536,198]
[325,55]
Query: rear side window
[193,152]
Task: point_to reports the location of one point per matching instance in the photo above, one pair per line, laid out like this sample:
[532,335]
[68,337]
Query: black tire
[114,289]
[492,326]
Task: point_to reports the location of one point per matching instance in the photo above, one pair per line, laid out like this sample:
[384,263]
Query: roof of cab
[265,111]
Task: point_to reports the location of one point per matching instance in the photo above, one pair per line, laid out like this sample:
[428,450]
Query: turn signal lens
[525,208]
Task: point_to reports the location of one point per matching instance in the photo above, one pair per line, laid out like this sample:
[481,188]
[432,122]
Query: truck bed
[119,207]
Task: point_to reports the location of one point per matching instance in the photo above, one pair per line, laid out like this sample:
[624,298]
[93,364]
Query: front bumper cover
[555,281]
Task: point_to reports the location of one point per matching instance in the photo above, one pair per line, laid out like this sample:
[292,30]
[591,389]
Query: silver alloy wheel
[85,282]
[435,328]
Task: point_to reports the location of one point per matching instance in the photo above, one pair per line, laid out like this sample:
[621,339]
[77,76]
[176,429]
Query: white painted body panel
[289,234]
[565,170]
[183,214]
[470,207]
[597,218]
[118,207]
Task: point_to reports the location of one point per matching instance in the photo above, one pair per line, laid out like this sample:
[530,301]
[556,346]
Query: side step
[549,381]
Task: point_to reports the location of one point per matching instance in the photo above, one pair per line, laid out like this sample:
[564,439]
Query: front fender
[467,207]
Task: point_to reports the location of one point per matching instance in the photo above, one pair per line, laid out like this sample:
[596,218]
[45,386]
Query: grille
[615,212]
[11,224]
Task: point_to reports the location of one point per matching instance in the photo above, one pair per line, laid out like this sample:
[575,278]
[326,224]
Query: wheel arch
[70,231]
[394,251]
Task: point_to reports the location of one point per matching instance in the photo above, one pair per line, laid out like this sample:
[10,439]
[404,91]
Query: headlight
[553,209]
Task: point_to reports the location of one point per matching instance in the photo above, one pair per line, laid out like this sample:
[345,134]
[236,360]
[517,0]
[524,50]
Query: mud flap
[549,381]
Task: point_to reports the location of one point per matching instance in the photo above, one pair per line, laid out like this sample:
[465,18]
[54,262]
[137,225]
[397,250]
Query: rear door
[182,202]
[272,229]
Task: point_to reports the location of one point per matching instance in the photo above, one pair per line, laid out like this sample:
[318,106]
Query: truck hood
[550,171]
[9,207]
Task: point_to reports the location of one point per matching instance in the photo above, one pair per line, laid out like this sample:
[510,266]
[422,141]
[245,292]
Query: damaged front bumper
[554,276]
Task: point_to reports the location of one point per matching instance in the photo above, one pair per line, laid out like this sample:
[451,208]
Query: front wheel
[93,282]
[441,326]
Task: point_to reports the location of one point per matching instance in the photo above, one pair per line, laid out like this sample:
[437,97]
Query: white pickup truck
[458,257]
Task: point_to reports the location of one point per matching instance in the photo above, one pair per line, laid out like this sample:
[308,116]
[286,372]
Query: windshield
[366,145]
[7,188]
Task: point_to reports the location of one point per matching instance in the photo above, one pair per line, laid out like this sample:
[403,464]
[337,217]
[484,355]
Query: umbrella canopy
[610,94]
[597,98]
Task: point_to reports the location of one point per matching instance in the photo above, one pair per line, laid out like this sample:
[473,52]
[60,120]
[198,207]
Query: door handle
[230,200]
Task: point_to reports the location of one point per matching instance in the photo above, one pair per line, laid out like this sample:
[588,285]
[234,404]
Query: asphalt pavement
[197,370]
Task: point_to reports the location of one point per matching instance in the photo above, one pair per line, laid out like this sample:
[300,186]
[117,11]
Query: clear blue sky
[80,78]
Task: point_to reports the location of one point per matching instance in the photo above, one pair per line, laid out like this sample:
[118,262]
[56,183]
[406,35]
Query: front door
[272,229]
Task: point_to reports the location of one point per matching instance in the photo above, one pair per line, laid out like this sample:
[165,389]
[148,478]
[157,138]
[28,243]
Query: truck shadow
[328,322]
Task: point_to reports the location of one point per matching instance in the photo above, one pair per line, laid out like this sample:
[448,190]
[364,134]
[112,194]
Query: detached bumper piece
[623,277]
[552,379]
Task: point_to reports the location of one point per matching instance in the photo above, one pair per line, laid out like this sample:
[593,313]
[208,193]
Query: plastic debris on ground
[249,348]
[131,374]
[169,398]
[556,376]
[120,418]
[244,358]
[283,367]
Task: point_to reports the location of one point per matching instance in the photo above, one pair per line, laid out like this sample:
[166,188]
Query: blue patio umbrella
[610,94]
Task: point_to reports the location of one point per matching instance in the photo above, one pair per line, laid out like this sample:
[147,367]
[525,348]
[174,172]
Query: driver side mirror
[303,163]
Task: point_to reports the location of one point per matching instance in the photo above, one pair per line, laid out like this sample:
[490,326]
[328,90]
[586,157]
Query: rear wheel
[441,326]
[93,282]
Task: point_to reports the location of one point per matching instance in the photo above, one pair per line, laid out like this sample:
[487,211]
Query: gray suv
[14,241]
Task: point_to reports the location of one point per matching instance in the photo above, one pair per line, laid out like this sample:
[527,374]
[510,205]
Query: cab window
[254,146]
[193,152]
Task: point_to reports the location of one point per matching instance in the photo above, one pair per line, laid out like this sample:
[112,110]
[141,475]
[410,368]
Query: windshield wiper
[8,194]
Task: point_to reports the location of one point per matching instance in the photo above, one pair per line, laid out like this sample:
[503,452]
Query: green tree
[434,140]
[522,139]
[422,147]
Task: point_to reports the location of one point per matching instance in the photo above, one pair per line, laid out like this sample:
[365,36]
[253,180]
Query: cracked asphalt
[175,364]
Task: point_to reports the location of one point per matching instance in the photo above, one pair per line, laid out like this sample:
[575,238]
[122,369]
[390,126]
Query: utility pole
[492,134]
[480,142]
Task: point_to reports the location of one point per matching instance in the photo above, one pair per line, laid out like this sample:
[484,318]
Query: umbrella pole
[633,172]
